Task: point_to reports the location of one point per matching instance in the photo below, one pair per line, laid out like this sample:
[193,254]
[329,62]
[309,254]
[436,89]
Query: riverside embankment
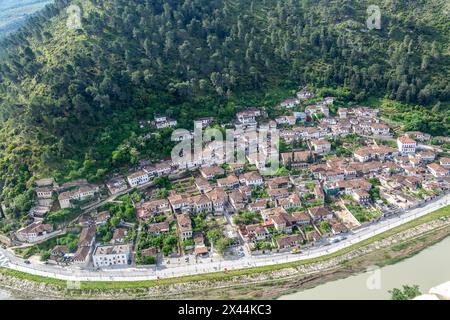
[267,282]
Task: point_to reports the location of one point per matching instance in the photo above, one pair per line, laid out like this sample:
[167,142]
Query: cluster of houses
[49,196]
[89,252]
[289,210]
[400,170]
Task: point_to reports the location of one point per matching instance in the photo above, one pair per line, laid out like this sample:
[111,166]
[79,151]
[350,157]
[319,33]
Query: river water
[427,269]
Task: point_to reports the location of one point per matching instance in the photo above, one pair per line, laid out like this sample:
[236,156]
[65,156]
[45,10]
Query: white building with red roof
[406,145]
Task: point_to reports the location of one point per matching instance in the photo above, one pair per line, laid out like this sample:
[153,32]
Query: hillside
[71,101]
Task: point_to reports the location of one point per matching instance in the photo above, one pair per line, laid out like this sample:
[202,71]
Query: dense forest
[71,100]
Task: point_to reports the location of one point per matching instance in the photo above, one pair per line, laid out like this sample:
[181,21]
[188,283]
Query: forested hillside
[71,101]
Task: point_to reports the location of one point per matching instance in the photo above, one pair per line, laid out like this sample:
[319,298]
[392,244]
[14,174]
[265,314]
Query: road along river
[427,269]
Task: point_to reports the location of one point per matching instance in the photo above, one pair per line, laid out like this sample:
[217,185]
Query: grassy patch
[31,277]
[362,213]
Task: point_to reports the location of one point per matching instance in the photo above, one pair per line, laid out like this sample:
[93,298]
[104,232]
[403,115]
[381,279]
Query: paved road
[206,265]
[4,261]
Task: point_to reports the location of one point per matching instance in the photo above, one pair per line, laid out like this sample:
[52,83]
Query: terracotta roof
[288,240]
[319,211]
[301,215]
[81,254]
[320,142]
[406,140]
[137,174]
[212,171]
[86,236]
[252,175]
[119,233]
[158,227]
[217,195]
[184,220]
[437,168]
[229,180]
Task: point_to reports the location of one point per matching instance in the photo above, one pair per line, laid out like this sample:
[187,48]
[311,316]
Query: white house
[83,193]
[438,171]
[305,94]
[44,197]
[184,225]
[342,112]
[64,200]
[406,145]
[162,122]
[251,178]
[321,146]
[82,256]
[203,122]
[289,120]
[34,232]
[117,185]
[44,193]
[219,199]
[159,169]
[375,152]
[201,203]
[248,116]
[380,129]
[299,115]
[138,178]
[445,162]
[361,196]
[289,103]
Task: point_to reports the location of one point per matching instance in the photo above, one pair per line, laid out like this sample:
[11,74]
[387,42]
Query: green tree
[406,293]
[221,245]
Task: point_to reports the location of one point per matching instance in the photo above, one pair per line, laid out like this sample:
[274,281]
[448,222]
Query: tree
[171,241]
[324,226]
[162,183]
[221,245]
[214,235]
[148,260]
[246,217]
[62,216]
[45,255]
[374,193]
[115,221]
[161,193]
[406,293]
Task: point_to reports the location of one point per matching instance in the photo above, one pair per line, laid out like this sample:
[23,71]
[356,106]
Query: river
[427,269]
[4,295]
